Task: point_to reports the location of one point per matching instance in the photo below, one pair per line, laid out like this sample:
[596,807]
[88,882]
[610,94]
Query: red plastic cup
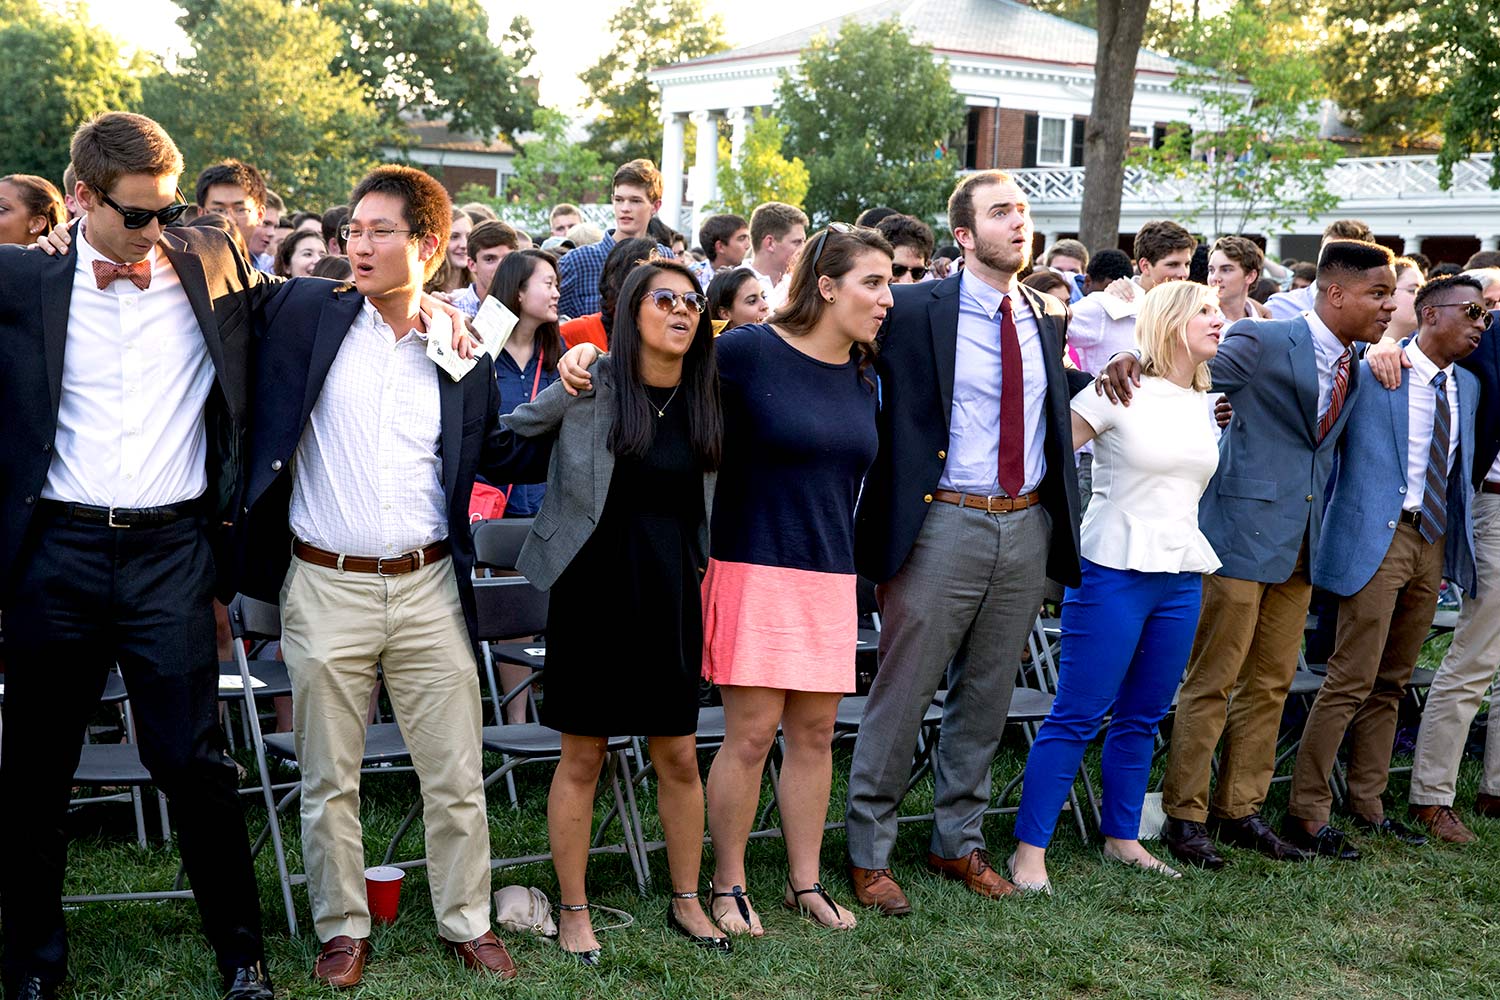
[383,889]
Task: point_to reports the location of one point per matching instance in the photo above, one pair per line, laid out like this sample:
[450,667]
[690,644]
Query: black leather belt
[1411,517]
[121,517]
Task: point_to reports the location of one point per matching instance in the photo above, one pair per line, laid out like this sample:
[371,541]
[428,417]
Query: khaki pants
[1244,655]
[1466,673]
[1380,633]
[335,628]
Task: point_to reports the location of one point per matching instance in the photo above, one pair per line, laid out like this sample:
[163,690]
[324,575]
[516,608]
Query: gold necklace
[661,410]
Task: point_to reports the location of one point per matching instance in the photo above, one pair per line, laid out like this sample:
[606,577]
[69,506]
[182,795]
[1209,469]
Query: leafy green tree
[763,173]
[432,55]
[1260,157]
[312,133]
[550,168]
[647,34]
[58,70]
[869,112]
[1409,73]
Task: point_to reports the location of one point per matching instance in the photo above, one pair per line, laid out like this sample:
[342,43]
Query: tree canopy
[870,113]
[551,168]
[763,172]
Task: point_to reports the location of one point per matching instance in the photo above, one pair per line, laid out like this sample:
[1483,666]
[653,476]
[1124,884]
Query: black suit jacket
[918,347]
[298,336]
[1484,362]
[35,292]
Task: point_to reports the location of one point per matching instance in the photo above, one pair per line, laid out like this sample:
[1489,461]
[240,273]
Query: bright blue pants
[1125,643]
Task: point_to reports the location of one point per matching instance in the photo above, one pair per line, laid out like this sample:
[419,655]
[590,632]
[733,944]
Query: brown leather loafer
[973,870]
[341,961]
[1443,823]
[1487,806]
[877,887]
[485,953]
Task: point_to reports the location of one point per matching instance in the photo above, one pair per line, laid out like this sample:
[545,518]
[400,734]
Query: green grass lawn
[1402,922]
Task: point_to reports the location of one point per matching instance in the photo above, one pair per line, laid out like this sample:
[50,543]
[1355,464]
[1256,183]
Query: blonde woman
[1128,627]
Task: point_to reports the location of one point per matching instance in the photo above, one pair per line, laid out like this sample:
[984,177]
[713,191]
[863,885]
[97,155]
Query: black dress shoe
[250,982]
[1387,827]
[1254,833]
[31,988]
[1326,843]
[1190,843]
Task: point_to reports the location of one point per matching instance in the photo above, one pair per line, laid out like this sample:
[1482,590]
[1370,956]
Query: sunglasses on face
[666,300]
[1473,310]
[140,218]
[899,271]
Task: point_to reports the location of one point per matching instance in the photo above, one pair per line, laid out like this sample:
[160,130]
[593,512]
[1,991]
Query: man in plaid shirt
[637,198]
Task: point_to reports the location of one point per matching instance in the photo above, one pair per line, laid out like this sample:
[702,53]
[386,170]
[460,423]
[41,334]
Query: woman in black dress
[624,626]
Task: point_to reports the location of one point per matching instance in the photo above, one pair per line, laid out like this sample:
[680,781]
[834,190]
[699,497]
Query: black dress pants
[86,597]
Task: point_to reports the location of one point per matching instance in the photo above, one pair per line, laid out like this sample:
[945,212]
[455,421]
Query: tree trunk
[1121,26]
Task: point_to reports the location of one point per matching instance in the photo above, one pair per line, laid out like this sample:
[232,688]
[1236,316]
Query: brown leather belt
[1489,487]
[991,505]
[406,562]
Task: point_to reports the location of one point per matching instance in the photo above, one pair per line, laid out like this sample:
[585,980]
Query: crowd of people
[714,440]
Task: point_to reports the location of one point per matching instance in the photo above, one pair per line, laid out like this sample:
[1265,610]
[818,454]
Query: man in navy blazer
[1398,521]
[362,456]
[971,503]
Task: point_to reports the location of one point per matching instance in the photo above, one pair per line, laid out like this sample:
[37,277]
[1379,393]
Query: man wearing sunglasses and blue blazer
[123,372]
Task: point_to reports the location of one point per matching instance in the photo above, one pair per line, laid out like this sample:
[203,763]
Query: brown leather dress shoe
[973,870]
[341,961]
[877,887]
[485,953]
[1487,806]
[1443,823]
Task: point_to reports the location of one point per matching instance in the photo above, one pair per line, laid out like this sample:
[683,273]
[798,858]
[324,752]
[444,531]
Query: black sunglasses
[899,271]
[1473,310]
[140,218]
[833,227]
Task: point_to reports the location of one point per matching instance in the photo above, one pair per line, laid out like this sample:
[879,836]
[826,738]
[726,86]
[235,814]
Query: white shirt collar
[1423,368]
[984,293]
[1323,338]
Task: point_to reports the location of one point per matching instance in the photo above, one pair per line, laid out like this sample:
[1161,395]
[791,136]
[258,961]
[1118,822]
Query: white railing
[1357,178]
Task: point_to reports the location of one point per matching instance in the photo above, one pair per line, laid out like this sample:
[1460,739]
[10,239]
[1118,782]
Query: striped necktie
[1435,487]
[1336,397]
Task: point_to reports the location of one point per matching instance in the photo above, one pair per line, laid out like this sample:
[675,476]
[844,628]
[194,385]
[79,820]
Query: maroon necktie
[1012,406]
[138,274]
[1336,396]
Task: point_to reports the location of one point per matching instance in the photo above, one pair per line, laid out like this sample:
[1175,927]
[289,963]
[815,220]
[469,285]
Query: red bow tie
[108,272]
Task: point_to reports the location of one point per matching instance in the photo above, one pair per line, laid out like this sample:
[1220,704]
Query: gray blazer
[579,474]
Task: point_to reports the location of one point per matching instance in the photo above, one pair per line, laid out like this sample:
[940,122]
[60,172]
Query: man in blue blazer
[1399,520]
[362,457]
[971,503]
[1290,383]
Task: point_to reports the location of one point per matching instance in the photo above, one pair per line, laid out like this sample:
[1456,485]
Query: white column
[1050,238]
[706,169]
[673,128]
[1410,243]
[739,121]
[1273,246]
[1490,242]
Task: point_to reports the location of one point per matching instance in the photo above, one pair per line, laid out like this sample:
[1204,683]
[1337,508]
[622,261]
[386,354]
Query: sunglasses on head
[1473,310]
[899,271]
[140,218]
[833,227]
[666,300]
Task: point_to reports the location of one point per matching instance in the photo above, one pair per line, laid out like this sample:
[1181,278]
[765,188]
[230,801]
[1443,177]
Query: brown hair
[961,201]
[775,219]
[1243,252]
[490,234]
[1160,238]
[642,173]
[1067,248]
[829,253]
[116,143]
[425,205]
[1045,280]
[1348,229]
[39,197]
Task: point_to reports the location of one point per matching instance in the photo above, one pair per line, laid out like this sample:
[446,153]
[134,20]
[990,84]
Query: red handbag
[486,502]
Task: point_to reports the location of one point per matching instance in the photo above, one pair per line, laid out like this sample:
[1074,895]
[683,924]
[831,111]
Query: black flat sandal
[589,957]
[721,945]
[741,900]
[795,903]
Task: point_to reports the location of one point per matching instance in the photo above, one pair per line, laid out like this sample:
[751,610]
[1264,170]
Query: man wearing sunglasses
[123,370]
[1399,520]
[911,239]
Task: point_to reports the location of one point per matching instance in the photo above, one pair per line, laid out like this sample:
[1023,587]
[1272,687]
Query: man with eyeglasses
[912,241]
[237,191]
[123,371]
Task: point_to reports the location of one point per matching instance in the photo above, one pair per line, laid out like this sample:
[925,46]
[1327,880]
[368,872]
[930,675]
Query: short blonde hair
[1161,327]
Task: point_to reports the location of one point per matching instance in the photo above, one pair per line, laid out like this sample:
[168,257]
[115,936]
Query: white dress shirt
[775,292]
[1293,303]
[136,375]
[1102,325]
[367,478]
[1421,404]
[1328,349]
[973,463]
[1152,461]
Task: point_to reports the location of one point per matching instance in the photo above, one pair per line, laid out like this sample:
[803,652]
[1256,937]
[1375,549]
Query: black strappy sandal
[741,901]
[795,903]
[721,945]
[589,957]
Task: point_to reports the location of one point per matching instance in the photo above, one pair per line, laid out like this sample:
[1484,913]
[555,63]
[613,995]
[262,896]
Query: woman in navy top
[526,283]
